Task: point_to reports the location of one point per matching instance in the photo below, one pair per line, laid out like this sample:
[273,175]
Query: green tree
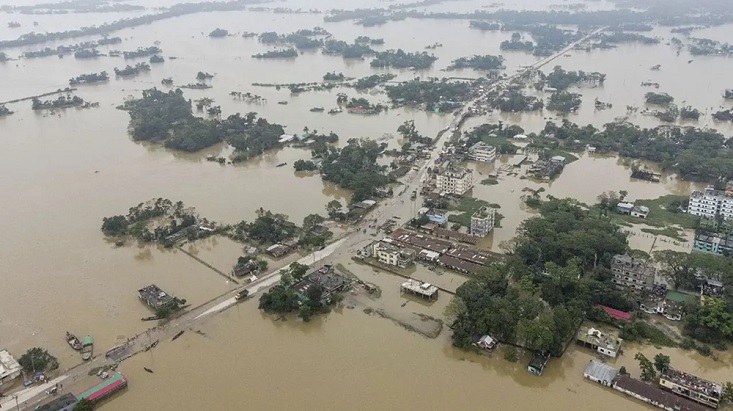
[539,333]
[727,394]
[312,220]
[647,368]
[84,405]
[279,299]
[298,270]
[333,207]
[37,359]
[676,267]
[661,362]
[115,225]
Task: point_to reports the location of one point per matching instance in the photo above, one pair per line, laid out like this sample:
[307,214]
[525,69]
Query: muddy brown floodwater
[62,172]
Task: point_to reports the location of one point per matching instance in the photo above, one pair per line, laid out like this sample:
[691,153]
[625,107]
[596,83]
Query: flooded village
[433,204]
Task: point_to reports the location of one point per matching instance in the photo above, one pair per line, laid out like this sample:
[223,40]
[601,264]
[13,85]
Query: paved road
[400,206]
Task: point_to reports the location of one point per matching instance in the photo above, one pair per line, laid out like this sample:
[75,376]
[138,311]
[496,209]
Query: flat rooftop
[693,382]
[666,399]
[421,241]
[154,296]
[472,255]
[596,337]
[420,287]
[462,265]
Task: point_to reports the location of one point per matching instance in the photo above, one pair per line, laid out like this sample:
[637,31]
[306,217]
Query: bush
[511,354]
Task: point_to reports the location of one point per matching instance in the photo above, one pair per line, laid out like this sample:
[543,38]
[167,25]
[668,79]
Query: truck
[241,295]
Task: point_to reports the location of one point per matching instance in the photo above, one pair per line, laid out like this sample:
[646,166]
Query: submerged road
[399,207]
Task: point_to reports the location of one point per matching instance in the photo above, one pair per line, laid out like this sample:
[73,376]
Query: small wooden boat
[180,333]
[73,341]
[154,343]
[148,369]
[87,348]
[281,164]
[317,109]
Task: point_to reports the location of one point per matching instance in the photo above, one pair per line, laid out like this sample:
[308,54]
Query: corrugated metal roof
[600,371]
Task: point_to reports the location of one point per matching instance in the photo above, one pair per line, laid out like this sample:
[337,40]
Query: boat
[282,102]
[73,341]
[154,343]
[87,348]
[180,333]
[281,164]
[334,111]
[317,109]
[148,369]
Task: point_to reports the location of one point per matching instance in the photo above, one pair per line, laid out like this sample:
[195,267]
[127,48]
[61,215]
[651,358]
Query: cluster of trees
[433,93]
[547,39]
[724,115]
[485,62]
[4,111]
[4,57]
[174,11]
[485,25]
[368,40]
[38,359]
[373,81]
[268,228]
[495,134]
[561,80]
[332,76]
[365,106]
[142,52]
[660,99]
[135,223]
[564,102]
[355,167]
[301,39]
[132,70]
[168,118]
[60,102]
[689,113]
[346,50]
[402,59]
[408,131]
[514,100]
[217,32]
[517,44]
[87,54]
[560,258]
[156,59]
[618,37]
[89,78]
[274,54]
[695,154]
[305,165]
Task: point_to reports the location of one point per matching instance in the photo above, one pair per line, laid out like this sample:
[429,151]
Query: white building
[9,368]
[392,255]
[482,221]
[455,180]
[709,203]
[482,152]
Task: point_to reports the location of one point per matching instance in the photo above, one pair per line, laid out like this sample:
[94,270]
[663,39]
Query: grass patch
[670,232]
[466,207]
[660,216]
[640,331]
[489,181]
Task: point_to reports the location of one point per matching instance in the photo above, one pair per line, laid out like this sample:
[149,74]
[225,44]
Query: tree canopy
[355,167]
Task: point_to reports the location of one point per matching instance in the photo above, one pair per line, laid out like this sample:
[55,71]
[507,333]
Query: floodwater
[61,173]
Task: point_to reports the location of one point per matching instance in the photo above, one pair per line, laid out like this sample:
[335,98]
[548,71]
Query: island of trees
[486,62]
[60,102]
[129,70]
[89,78]
[346,50]
[276,54]
[156,59]
[564,102]
[402,59]
[332,76]
[4,111]
[373,81]
[87,54]
[443,95]
[513,100]
[142,52]
[561,80]
[218,33]
[355,167]
[660,99]
[167,118]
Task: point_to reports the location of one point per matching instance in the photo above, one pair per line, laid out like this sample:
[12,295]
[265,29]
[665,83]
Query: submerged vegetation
[129,70]
[277,54]
[89,78]
[443,95]
[402,59]
[167,118]
[486,62]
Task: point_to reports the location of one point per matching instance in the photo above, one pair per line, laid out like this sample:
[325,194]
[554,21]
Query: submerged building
[690,386]
[154,297]
[454,180]
[482,221]
[9,367]
[630,272]
[482,152]
[711,202]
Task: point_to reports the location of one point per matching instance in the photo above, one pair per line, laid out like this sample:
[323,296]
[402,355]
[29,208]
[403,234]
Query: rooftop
[154,296]
[420,241]
[483,212]
[600,372]
[666,399]
[59,403]
[599,339]
[420,287]
[472,255]
[692,382]
[8,365]
[459,264]
[614,313]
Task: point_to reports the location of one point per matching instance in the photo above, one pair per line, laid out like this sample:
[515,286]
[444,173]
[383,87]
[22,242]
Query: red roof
[614,313]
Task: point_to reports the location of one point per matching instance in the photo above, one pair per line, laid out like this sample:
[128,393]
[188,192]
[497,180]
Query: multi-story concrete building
[691,386]
[482,221]
[482,152]
[714,243]
[711,202]
[454,180]
[391,254]
[630,272]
